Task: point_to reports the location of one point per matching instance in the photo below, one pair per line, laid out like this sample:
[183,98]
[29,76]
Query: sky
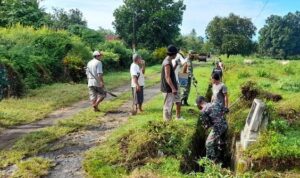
[198,13]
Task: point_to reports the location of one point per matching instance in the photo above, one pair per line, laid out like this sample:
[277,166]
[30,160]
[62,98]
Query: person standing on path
[94,72]
[212,116]
[219,92]
[137,83]
[169,86]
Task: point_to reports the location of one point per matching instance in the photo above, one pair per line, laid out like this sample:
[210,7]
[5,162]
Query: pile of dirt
[290,115]
[250,90]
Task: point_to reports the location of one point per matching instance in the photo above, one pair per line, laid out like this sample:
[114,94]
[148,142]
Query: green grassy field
[149,147]
[38,103]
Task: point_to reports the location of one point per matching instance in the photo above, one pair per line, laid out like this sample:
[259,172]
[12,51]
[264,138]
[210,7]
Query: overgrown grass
[38,103]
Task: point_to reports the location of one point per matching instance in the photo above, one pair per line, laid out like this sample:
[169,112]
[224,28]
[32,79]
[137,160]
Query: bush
[263,73]
[10,81]
[147,56]
[118,47]
[159,54]
[43,56]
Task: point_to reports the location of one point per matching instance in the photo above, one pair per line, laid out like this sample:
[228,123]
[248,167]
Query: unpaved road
[68,159]
[9,136]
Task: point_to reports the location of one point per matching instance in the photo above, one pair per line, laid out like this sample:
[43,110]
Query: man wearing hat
[94,74]
[169,86]
[212,116]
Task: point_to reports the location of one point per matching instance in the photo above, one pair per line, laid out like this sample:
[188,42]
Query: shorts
[177,97]
[96,92]
[137,96]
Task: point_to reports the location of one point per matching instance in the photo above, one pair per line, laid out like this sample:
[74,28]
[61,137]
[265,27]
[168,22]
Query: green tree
[280,37]
[25,12]
[192,41]
[63,19]
[231,35]
[148,24]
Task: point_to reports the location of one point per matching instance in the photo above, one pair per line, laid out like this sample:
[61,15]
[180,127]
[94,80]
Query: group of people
[212,113]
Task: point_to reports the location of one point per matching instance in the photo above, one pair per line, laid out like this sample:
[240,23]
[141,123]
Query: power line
[262,9]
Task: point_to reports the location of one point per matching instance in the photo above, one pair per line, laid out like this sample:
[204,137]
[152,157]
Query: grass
[38,103]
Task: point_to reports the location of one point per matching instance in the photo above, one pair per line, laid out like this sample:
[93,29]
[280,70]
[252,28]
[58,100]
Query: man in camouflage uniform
[212,116]
[189,70]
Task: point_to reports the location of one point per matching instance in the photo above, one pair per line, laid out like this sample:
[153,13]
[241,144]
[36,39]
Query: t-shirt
[94,67]
[180,62]
[136,71]
[218,93]
[164,86]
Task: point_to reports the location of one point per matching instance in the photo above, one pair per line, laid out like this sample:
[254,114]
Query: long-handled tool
[109,92]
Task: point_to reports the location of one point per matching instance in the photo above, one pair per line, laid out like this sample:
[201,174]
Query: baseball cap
[96,53]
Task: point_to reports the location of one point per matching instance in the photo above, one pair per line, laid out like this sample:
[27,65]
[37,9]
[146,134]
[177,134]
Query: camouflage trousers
[186,90]
[216,142]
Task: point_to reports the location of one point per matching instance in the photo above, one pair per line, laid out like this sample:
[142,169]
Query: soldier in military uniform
[189,70]
[212,116]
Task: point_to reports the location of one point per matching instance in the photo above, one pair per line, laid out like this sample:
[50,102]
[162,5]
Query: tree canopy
[231,35]
[192,41]
[149,24]
[25,12]
[280,37]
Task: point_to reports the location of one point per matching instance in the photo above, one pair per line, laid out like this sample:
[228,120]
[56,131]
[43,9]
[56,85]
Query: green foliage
[117,47]
[263,73]
[38,55]
[11,83]
[213,170]
[62,20]
[160,54]
[25,12]
[147,56]
[273,144]
[231,35]
[290,85]
[279,37]
[192,42]
[147,23]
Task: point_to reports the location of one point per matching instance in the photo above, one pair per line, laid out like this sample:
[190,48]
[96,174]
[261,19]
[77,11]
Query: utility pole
[134,33]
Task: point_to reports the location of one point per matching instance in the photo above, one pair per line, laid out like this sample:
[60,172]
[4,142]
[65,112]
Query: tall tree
[148,24]
[63,19]
[231,35]
[25,12]
[192,41]
[280,37]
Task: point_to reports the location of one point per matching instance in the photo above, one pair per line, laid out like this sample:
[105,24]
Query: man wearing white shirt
[94,74]
[137,83]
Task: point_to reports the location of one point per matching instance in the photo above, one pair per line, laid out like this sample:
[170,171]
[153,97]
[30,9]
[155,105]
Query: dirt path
[9,136]
[68,159]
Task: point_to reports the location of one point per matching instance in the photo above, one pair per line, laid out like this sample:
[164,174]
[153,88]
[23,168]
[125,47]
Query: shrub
[118,47]
[10,81]
[147,56]
[159,54]
[263,73]
[43,56]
